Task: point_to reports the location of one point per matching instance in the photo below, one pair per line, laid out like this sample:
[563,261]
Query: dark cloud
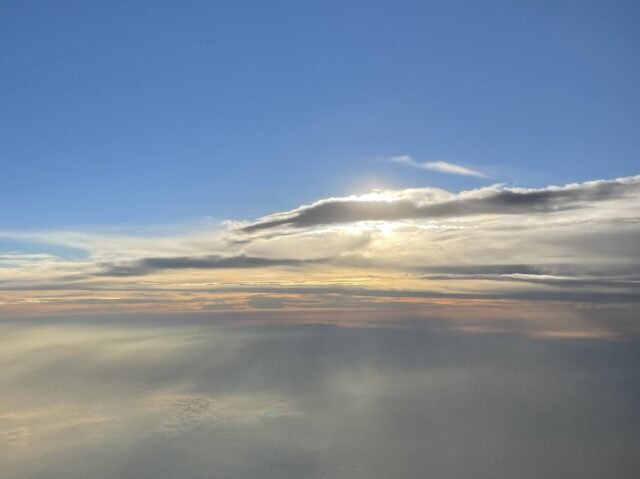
[491,201]
[564,275]
[149,265]
[559,269]
[632,283]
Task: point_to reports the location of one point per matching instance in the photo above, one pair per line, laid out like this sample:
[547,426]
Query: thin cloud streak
[440,166]
[150,265]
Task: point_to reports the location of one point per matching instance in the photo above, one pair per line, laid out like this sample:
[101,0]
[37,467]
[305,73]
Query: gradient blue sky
[135,112]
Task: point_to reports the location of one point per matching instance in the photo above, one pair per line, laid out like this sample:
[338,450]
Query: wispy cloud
[440,166]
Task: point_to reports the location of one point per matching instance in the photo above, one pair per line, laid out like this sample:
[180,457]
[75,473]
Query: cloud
[632,283]
[420,204]
[18,437]
[572,243]
[562,275]
[188,411]
[244,397]
[440,166]
[149,265]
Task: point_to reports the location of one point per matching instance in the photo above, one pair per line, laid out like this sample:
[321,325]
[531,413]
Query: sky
[319,239]
[136,113]
[447,149]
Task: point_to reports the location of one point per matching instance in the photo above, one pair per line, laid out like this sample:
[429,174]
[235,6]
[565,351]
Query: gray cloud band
[149,265]
[502,201]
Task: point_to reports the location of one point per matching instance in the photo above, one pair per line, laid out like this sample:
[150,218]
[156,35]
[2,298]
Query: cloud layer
[191,396]
[578,243]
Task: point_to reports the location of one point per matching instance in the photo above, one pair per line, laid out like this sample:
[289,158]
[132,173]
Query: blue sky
[156,112]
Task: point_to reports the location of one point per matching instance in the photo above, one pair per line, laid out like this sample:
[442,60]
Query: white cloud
[440,166]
